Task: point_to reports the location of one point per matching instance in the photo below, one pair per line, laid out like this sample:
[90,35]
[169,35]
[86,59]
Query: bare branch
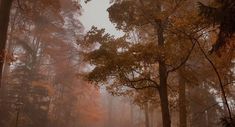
[140,88]
[218,75]
[194,40]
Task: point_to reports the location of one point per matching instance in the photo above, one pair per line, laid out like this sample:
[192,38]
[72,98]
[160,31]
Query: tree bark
[164,97]
[5,7]
[163,78]
[182,100]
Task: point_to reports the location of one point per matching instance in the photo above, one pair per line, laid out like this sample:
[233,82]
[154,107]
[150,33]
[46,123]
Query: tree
[39,35]
[163,45]
[154,22]
[223,16]
[119,64]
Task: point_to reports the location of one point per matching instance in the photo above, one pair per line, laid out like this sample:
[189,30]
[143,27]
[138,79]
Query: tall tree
[154,20]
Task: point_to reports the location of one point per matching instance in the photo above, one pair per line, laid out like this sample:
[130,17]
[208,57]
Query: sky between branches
[95,13]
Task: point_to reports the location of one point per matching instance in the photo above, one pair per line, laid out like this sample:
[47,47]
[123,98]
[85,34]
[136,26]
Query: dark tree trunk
[163,78]
[5,7]
[164,96]
[182,101]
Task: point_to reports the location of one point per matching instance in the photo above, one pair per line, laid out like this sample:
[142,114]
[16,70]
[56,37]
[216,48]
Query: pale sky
[95,13]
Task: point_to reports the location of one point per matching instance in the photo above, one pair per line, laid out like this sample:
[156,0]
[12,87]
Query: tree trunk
[182,101]
[131,115]
[5,7]
[146,112]
[110,111]
[163,78]
[151,117]
[164,100]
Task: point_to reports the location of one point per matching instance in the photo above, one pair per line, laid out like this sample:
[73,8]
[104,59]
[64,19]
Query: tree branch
[218,76]
[140,88]
[184,61]
[194,40]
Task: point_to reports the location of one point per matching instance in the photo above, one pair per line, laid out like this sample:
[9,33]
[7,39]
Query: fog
[117,63]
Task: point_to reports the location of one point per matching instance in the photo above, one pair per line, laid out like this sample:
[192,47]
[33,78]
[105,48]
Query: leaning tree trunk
[5,7]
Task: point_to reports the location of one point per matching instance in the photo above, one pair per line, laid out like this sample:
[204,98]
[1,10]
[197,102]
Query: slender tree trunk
[163,78]
[110,111]
[139,118]
[131,115]
[17,118]
[182,101]
[5,7]
[146,112]
[151,117]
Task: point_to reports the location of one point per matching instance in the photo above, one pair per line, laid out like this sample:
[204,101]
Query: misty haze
[117,63]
